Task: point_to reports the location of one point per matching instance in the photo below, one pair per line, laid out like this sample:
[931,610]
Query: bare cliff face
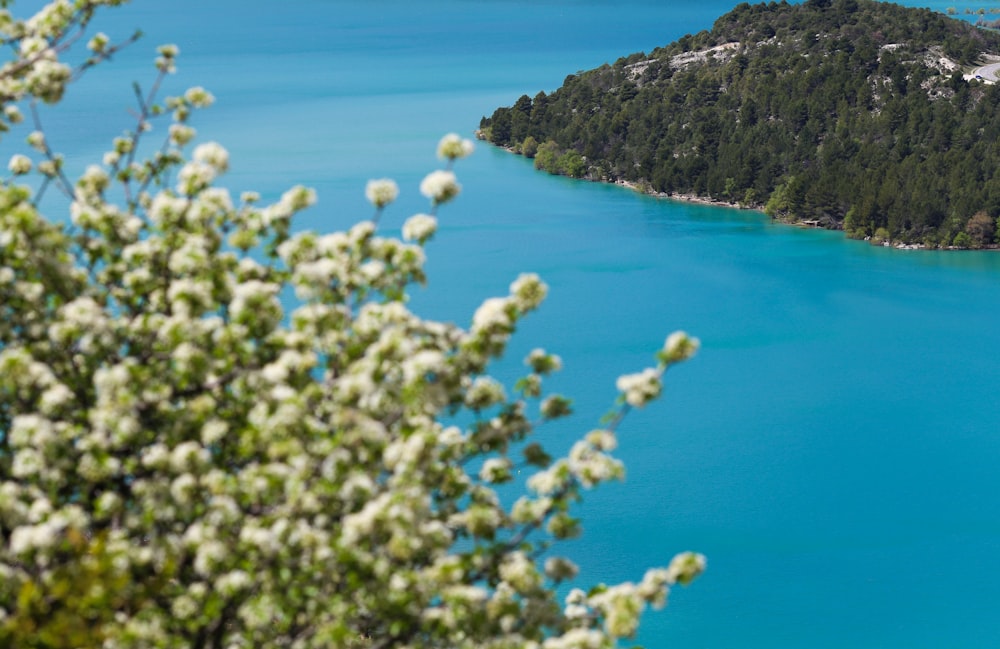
[932,58]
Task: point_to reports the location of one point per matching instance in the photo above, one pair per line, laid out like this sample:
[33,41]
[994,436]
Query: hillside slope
[850,114]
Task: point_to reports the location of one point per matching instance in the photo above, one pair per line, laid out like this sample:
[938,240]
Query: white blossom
[183,487]
[19,164]
[423,363]
[419,228]
[166,208]
[37,141]
[543,363]
[13,114]
[184,607]
[621,606]
[199,97]
[484,392]
[579,639]
[209,555]
[252,294]
[602,439]
[494,312]
[98,42]
[54,397]
[31,430]
[27,463]
[194,177]
[679,347]
[527,510]
[188,456]
[520,572]
[213,155]
[381,192]
[551,480]
[495,470]
[452,147]
[257,471]
[576,612]
[686,566]
[591,466]
[528,291]
[640,388]
[233,582]
[28,538]
[33,46]
[440,186]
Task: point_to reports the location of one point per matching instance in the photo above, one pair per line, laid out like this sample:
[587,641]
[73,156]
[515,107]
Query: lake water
[834,447]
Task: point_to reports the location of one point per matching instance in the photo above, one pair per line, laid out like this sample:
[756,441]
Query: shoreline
[758,207]
[685,198]
[810,225]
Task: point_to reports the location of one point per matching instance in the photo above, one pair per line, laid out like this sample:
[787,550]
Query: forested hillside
[851,114]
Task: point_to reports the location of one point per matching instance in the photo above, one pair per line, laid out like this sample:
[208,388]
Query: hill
[849,114]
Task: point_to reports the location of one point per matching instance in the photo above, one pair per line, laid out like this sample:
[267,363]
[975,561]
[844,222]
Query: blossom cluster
[190,457]
[453,146]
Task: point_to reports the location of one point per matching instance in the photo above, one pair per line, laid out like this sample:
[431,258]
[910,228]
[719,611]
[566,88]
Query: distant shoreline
[687,198]
[712,202]
[707,201]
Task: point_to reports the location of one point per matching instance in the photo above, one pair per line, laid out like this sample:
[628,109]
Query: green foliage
[546,157]
[851,226]
[814,110]
[778,204]
[553,159]
[962,240]
[529,147]
[571,164]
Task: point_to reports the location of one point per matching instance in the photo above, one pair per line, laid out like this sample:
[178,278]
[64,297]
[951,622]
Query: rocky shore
[687,198]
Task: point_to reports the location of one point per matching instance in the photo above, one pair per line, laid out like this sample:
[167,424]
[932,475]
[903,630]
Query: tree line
[850,114]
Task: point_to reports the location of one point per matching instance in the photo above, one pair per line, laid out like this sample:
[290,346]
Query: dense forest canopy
[850,114]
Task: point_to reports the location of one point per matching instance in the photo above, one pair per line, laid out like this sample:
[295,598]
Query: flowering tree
[185,461]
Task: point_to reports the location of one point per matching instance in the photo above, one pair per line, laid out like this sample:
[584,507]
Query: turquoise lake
[833,449]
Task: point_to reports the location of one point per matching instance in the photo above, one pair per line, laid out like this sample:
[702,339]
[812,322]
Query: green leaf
[535,455]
